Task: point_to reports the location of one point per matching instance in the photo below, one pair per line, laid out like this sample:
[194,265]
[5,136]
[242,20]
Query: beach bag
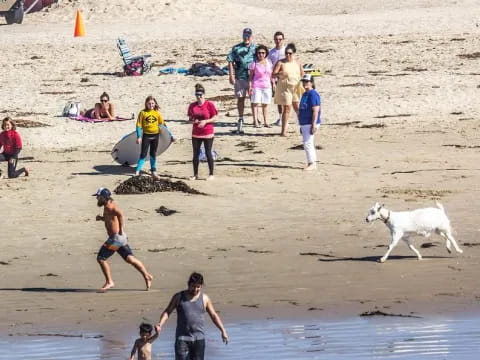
[71,109]
[203,156]
[135,68]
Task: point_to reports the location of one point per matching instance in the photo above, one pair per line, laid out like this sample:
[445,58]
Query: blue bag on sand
[203,157]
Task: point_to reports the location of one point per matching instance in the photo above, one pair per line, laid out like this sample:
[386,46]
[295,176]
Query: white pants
[309,143]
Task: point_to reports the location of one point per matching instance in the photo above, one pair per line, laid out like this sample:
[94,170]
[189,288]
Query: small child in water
[143,345]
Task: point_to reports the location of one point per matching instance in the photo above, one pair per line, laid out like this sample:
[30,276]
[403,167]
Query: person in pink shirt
[11,144]
[260,84]
[202,114]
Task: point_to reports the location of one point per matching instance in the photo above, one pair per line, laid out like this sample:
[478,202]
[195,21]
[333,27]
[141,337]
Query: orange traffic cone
[79,29]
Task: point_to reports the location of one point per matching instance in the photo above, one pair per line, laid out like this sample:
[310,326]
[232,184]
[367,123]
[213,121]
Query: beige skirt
[287,93]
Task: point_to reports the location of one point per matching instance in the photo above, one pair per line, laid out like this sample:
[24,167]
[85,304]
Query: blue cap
[104,192]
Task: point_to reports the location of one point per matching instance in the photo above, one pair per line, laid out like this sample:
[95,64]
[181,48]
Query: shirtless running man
[117,239]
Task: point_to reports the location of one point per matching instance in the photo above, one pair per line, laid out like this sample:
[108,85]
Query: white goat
[403,224]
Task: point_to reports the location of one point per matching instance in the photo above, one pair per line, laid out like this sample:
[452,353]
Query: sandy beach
[400,121]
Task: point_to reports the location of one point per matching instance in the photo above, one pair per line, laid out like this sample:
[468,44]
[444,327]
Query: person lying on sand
[117,240]
[102,110]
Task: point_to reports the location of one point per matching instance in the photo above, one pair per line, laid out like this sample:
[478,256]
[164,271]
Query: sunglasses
[199,94]
[104,100]
[261,52]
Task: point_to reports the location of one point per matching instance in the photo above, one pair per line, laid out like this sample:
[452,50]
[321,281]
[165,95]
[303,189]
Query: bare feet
[148,282]
[27,172]
[107,286]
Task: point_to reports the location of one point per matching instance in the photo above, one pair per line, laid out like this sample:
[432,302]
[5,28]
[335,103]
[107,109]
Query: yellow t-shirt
[149,121]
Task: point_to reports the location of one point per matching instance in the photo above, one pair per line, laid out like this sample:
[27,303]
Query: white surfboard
[127,151]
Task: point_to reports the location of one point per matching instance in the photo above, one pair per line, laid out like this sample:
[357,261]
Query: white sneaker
[278,122]
[210,177]
[137,173]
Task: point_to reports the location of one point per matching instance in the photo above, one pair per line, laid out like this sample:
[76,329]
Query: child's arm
[154,336]
[139,127]
[161,120]
[134,350]
[18,144]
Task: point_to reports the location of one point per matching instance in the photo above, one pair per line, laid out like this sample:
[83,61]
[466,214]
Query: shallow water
[357,338]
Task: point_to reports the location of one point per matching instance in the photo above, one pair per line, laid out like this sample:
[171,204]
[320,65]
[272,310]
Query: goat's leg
[396,236]
[410,245]
[449,236]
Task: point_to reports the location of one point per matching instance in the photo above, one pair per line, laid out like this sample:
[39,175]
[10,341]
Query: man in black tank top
[191,305]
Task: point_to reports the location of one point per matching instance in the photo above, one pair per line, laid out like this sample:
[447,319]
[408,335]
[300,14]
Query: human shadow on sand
[232,162]
[109,170]
[251,164]
[245,134]
[218,124]
[377,258]
[64,290]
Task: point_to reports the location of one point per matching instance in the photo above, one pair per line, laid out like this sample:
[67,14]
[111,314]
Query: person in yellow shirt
[148,131]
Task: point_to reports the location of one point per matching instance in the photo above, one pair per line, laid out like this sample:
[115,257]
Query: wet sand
[400,127]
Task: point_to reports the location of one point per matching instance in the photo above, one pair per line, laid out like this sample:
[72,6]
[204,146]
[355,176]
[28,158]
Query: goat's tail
[440,206]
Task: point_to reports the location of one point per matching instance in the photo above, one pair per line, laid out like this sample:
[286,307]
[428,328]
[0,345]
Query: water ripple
[358,338]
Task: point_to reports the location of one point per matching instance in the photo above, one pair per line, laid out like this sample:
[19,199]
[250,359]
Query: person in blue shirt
[309,119]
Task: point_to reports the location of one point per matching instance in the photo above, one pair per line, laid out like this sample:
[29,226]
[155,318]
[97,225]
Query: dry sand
[269,238]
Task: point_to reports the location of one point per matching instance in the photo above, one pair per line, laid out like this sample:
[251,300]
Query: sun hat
[104,192]
[247,32]
[307,77]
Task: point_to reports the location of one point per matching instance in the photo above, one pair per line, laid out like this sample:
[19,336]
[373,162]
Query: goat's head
[374,213]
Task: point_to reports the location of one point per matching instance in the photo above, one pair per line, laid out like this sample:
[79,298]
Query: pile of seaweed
[147,184]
